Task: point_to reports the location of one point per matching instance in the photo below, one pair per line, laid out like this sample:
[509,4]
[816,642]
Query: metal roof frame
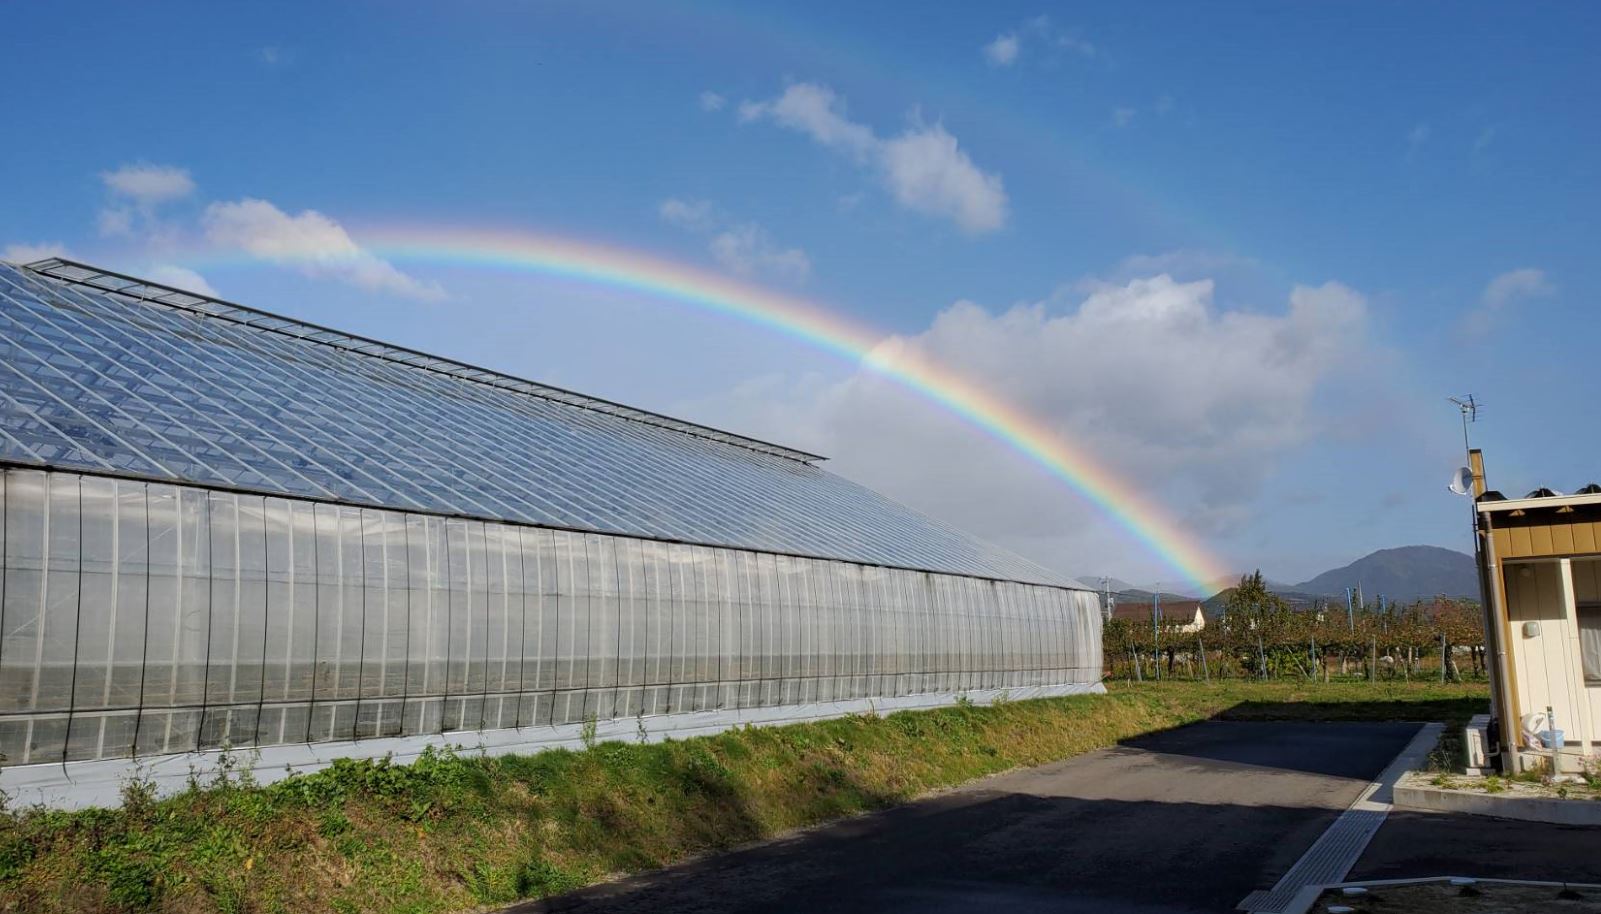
[144,291]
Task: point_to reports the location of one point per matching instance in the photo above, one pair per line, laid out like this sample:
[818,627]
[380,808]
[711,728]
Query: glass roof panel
[189,390]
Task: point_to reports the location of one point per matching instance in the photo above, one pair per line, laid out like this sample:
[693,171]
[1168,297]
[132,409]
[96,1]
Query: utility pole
[1468,407]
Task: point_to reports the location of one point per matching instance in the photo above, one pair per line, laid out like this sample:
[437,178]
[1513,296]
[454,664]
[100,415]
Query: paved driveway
[1188,820]
[1415,843]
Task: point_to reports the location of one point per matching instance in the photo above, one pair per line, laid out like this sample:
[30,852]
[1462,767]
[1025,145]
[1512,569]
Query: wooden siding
[1547,534]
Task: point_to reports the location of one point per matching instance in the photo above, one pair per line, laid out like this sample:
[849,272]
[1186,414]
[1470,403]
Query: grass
[455,832]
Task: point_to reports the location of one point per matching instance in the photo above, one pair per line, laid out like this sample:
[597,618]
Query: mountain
[1296,598]
[1094,581]
[1406,573]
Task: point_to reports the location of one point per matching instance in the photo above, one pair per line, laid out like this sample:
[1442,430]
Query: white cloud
[1502,292]
[1043,40]
[137,193]
[1196,403]
[309,241]
[690,214]
[817,112]
[711,101]
[1122,117]
[924,167]
[928,172]
[180,278]
[747,250]
[1061,38]
[744,248]
[1002,52]
[28,253]
[148,185]
[1179,263]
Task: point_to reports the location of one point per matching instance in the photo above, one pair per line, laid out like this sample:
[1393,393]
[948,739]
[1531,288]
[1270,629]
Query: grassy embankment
[452,833]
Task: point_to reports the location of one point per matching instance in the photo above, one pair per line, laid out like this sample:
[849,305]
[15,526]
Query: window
[1590,641]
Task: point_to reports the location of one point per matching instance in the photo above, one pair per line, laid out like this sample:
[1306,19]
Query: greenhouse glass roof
[106,373]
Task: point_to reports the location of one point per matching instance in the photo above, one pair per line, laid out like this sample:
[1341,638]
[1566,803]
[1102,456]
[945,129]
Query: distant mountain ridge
[1405,573]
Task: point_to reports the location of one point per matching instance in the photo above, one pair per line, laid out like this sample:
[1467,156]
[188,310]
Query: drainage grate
[1333,854]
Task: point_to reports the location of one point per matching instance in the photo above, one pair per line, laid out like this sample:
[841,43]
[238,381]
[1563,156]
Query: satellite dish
[1461,481]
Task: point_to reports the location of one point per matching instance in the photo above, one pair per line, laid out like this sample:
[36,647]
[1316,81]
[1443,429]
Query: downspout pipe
[1494,611]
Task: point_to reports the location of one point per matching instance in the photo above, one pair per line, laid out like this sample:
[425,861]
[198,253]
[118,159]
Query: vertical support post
[1584,726]
[1156,630]
[1206,673]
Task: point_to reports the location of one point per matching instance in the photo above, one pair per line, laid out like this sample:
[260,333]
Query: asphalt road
[1414,843]
[1188,820]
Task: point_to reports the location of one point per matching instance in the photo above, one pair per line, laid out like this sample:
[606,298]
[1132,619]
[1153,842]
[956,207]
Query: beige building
[1541,560]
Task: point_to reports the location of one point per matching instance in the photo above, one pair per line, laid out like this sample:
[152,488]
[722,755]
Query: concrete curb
[1527,809]
[75,785]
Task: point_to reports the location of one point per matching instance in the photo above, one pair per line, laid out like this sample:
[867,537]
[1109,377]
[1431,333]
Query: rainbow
[825,330]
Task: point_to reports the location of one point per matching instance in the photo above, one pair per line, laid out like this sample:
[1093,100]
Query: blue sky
[1358,209]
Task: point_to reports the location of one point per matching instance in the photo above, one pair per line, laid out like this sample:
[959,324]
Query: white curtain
[1590,640]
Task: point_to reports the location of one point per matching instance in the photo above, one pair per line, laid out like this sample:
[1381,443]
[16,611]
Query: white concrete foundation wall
[76,785]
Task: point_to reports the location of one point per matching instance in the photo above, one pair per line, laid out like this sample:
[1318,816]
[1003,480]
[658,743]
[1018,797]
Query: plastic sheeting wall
[142,618]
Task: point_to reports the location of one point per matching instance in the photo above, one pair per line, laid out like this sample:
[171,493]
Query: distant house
[1183,616]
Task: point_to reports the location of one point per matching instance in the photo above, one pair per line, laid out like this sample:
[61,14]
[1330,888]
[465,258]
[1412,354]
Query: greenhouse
[225,529]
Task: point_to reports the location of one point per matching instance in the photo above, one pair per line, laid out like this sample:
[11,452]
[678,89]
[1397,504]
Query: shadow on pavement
[1331,749]
[1413,843]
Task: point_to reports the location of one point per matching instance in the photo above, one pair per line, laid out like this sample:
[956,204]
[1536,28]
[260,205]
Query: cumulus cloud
[1502,292]
[1179,263]
[136,192]
[690,214]
[28,253]
[1002,52]
[817,112]
[148,184]
[924,168]
[711,101]
[744,248]
[747,250]
[1195,402]
[928,172]
[1043,40]
[310,242]
[181,278]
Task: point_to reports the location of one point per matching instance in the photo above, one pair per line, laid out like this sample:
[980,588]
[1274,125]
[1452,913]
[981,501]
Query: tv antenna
[1469,407]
